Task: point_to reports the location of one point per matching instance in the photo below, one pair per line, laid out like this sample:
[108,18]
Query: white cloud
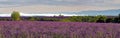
[52,8]
[57,5]
[62,2]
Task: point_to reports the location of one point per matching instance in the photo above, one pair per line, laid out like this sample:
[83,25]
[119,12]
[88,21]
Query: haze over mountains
[113,12]
[103,12]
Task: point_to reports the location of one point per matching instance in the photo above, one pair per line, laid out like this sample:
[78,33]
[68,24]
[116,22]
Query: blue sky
[57,5]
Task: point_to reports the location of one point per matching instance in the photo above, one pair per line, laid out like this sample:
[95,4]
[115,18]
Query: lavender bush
[40,29]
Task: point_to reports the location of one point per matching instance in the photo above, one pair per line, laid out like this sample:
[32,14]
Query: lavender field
[40,29]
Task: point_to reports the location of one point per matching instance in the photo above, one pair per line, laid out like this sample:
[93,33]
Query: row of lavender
[37,29]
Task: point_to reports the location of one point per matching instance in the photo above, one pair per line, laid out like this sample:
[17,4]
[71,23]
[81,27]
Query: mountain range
[102,12]
[113,12]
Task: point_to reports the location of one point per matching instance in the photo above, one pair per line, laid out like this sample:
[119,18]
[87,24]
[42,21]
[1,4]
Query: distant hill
[113,12]
[103,12]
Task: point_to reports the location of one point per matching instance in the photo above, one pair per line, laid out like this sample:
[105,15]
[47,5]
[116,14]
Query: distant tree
[49,19]
[38,19]
[109,20]
[116,20]
[76,18]
[15,16]
[65,20]
[101,18]
[92,19]
[119,18]
[73,19]
[32,18]
[3,19]
[86,18]
[119,15]
[61,15]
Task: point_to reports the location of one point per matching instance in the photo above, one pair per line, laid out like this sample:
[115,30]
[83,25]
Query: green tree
[119,18]
[92,19]
[15,16]
[66,20]
[116,20]
[32,18]
[73,19]
[119,15]
[101,18]
[109,20]
[87,19]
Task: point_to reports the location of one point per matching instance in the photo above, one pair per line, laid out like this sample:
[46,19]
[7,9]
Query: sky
[39,6]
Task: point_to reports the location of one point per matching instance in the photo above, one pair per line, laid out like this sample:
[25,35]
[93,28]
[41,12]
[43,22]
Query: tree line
[99,18]
[15,16]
